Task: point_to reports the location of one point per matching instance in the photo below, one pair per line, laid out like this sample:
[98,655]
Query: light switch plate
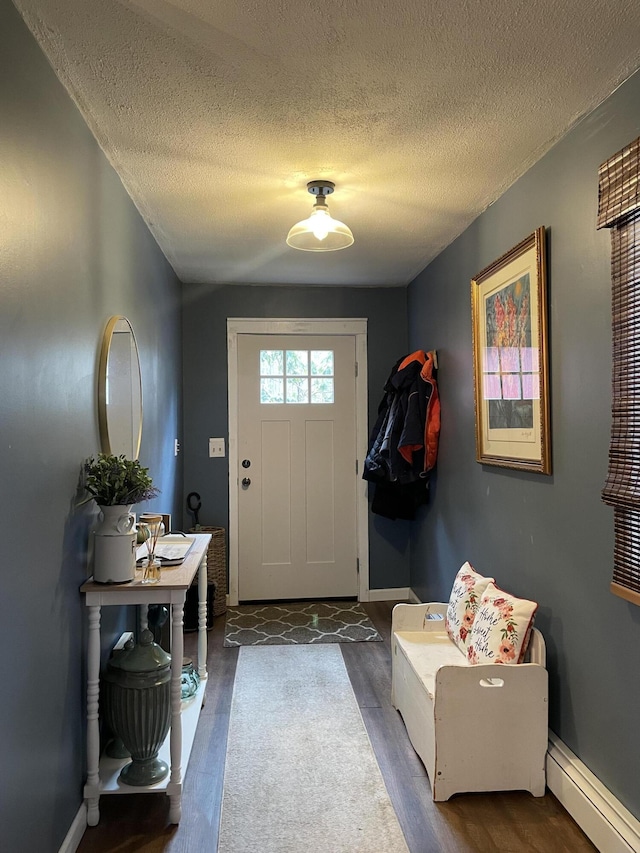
[216,447]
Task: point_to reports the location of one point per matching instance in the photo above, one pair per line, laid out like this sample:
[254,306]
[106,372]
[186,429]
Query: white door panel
[297,517]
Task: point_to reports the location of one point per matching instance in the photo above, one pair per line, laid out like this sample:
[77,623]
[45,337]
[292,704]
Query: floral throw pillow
[466,593]
[501,629]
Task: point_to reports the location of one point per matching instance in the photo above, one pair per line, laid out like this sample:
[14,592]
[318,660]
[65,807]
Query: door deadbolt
[246,463]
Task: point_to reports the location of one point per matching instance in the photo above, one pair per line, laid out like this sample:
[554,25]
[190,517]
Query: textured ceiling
[216,114]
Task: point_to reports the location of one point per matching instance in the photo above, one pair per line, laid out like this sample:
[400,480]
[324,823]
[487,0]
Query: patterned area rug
[300,773]
[294,624]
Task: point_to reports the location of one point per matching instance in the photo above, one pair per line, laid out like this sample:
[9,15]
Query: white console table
[102,774]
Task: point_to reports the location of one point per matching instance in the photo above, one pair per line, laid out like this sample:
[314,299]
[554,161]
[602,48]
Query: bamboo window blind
[619,210]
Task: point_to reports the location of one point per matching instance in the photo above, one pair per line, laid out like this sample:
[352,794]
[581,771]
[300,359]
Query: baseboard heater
[602,818]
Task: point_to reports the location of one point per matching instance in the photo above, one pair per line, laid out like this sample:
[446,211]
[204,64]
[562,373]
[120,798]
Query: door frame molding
[353,327]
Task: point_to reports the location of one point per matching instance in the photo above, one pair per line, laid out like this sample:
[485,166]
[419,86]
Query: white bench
[480,727]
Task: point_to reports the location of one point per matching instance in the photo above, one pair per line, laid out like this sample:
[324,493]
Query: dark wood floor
[468,823]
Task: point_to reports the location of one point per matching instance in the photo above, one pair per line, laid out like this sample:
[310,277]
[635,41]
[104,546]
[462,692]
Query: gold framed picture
[509,312]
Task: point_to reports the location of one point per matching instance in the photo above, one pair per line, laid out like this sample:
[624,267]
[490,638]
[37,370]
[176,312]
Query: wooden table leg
[143,614]
[174,788]
[202,618]
[92,788]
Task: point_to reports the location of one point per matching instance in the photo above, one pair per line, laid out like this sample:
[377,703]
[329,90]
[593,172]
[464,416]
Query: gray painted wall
[73,251]
[205,313]
[546,538]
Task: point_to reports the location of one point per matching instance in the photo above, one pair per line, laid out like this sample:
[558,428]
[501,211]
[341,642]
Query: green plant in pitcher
[116,480]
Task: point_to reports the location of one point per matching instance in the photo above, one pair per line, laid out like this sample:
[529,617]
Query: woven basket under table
[216,566]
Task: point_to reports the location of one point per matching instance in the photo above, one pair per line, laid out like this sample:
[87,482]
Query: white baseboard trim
[413,598]
[602,818]
[395,593]
[76,831]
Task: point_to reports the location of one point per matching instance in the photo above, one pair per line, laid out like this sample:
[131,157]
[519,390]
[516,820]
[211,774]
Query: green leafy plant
[116,480]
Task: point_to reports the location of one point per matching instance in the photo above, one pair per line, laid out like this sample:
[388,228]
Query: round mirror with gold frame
[120,390]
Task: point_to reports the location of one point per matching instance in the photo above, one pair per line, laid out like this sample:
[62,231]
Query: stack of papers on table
[170,550]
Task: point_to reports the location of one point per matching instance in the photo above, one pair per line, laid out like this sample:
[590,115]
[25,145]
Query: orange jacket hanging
[404,442]
[428,440]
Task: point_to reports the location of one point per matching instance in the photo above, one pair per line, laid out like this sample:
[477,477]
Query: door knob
[246,482]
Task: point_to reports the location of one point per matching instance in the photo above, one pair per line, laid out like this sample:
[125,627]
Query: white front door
[297,530]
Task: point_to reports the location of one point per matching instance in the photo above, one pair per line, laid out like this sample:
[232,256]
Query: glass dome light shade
[320,233]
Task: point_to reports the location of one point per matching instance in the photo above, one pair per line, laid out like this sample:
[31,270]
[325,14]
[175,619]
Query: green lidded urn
[137,706]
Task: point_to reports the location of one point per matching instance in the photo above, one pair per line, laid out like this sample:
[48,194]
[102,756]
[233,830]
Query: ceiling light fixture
[320,232]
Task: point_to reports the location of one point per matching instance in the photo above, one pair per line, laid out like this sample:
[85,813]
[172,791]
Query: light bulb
[320,222]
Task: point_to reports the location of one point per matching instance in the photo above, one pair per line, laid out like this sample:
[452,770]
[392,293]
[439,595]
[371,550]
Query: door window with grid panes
[294,377]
